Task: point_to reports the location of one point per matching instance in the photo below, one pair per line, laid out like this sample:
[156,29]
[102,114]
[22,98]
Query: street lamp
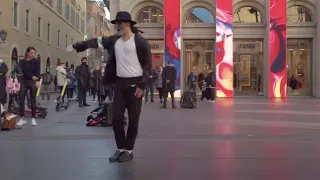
[3,35]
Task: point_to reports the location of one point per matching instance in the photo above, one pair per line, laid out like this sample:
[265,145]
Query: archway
[48,63]
[150,14]
[199,15]
[14,57]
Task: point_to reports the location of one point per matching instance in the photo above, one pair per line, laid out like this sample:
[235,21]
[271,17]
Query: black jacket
[143,52]
[82,73]
[169,73]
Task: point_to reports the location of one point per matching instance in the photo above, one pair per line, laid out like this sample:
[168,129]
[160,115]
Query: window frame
[139,15]
[28,21]
[49,32]
[60,7]
[39,28]
[306,9]
[259,13]
[188,13]
[16,15]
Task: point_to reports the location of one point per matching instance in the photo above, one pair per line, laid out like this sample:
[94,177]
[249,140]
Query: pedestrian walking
[129,68]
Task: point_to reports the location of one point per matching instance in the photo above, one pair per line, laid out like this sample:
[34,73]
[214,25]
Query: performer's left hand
[37,84]
[139,93]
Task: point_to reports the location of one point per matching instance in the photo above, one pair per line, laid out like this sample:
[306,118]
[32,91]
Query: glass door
[248,74]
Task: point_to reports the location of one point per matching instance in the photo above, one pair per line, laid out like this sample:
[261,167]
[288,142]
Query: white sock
[121,150]
[129,151]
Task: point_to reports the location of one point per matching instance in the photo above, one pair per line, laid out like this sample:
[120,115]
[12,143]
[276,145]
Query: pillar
[224,48]
[172,36]
[277,48]
[316,72]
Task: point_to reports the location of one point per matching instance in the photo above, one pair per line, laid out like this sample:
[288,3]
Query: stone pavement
[240,139]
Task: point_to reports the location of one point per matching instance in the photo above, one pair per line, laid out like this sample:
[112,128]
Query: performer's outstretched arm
[100,42]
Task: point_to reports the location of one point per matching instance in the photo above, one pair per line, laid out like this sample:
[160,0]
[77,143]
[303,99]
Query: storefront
[157,51]
[248,67]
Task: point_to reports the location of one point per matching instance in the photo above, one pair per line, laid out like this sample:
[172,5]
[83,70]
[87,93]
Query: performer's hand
[34,78]
[139,93]
[70,49]
[167,81]
[38,84]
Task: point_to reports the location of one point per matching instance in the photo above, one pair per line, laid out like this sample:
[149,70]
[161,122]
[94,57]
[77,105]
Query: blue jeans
[150,88]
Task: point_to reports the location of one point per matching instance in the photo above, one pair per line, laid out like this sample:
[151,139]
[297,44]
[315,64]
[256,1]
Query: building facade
[97,25]
[48,25]
[250,40]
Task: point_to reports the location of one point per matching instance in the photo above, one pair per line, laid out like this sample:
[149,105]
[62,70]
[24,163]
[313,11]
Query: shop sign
[248,46]
[156,46]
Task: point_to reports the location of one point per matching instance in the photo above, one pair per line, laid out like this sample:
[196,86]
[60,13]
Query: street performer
[129,68]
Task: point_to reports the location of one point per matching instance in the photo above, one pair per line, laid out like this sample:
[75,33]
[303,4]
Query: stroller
[14,108]
[102,116]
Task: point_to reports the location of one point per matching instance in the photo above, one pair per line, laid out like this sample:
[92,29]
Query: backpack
[188,100]
[47,79]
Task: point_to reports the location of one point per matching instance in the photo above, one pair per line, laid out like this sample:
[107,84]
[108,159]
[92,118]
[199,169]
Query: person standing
[210,86]
[30,68]
[61,78]
[95,76]
[47,80]
[3,79]
[150,86]
[159,83]
[83,76]
[169,76]
[71,84]
[192,81]
[100,86]
[129,68]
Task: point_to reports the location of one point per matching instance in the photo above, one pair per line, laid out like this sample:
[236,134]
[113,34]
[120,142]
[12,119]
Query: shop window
[299,68]
[198,57]
[199,15]
[247,15]
[298,14]
[150,15]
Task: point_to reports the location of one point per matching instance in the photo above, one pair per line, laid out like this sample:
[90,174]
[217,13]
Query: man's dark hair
[135,30]
[84,58]
[29,49]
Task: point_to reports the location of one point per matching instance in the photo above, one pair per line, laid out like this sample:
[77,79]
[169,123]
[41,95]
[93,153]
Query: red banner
[224,48]
[172,39]
[278,47]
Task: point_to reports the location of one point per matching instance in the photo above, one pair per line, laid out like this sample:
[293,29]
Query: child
[13,88]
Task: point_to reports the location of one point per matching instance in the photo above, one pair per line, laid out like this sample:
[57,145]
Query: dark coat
[143,52]
[99,85]
[83,76]
[169,73]
[210,80]
[3,72]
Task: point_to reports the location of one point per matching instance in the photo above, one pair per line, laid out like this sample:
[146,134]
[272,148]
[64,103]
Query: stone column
[316,59]
[266,52]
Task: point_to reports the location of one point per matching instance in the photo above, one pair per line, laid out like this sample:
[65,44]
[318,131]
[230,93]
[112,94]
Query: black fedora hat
[123,16]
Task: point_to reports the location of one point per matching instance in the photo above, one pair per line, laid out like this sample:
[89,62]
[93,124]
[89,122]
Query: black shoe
[80,105]
[116,156]
[152,100]
[126,156]
[86,105]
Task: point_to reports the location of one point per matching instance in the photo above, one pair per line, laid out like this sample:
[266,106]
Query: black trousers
[25,86]
[160,91]
[70,93]
[124,99]
[82,96]
[111,91]
[101,98]
[149,88]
